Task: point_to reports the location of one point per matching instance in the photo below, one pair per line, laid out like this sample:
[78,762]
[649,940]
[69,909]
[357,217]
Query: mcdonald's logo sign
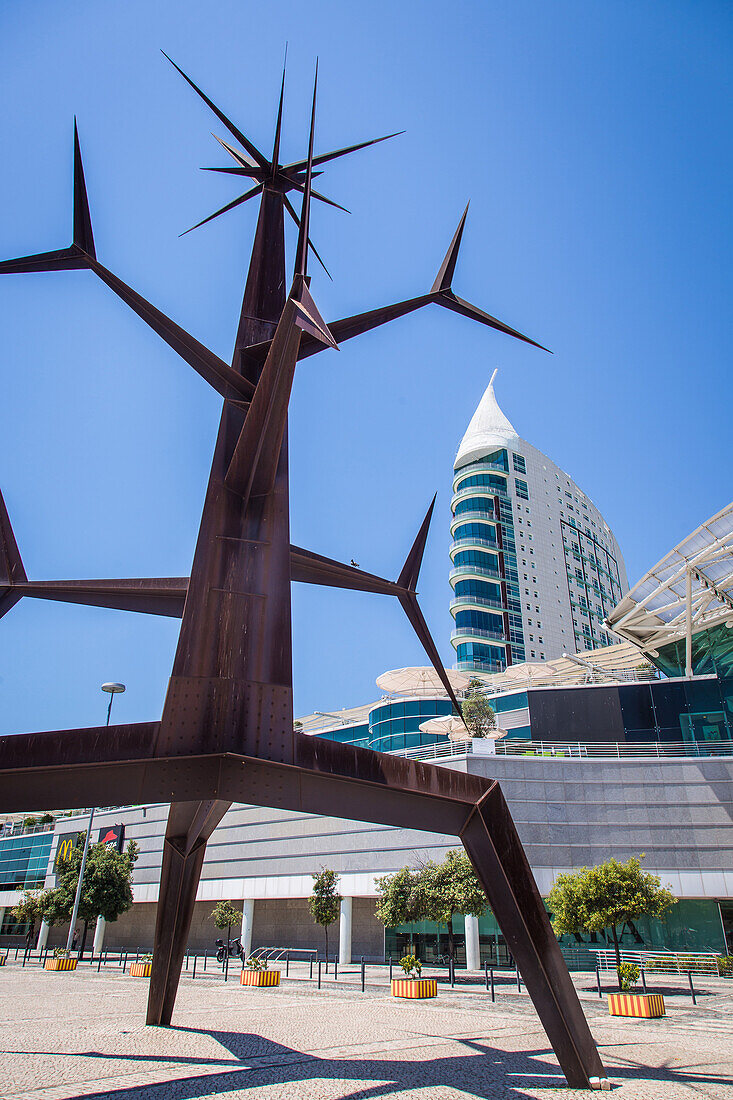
[66,845]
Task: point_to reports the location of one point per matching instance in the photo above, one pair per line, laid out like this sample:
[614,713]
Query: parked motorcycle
[236,951]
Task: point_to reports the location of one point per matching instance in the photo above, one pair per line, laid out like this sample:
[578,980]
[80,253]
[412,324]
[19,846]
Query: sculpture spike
[81,249]
[278,127]
[253,151]
[225,209]
[83,236]
[411,569]
[298,165]
[444,277]
[12,572]
[301,258]
[291,211]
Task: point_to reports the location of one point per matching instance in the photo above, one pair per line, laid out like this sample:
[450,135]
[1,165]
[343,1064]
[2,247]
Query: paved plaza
[82,1035]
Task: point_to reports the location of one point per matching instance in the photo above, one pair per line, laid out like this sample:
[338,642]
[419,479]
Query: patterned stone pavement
[81,1034]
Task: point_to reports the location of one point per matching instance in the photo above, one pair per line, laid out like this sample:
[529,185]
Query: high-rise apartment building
[536,568]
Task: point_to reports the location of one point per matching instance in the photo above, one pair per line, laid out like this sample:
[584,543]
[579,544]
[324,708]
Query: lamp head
[113,689]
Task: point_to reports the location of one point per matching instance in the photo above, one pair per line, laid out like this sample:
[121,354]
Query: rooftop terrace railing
[577,750]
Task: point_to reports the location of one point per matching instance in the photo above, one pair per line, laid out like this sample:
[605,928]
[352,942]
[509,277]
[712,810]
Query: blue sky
[593,140]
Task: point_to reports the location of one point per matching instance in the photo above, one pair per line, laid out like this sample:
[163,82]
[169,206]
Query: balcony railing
[469,632]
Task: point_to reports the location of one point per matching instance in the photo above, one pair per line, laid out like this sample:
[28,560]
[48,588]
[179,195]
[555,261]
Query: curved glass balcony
[473,571]
[468,602]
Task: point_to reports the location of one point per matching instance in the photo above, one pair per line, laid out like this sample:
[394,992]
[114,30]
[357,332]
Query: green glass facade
[691,925]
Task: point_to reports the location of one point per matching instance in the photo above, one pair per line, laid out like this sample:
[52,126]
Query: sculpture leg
[190,824]
[495,850]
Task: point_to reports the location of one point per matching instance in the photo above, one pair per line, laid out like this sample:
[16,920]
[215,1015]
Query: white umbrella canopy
[450,725]
[528,672]
[420,681]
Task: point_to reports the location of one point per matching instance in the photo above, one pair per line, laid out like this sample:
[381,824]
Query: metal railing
[669,962]
[514,746]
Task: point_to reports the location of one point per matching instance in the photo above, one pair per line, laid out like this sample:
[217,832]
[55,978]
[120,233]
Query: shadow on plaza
[480,1072]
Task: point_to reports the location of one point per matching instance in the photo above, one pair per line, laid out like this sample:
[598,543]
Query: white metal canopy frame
[689,590]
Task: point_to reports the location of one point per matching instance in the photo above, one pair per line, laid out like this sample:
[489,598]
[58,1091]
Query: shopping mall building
[617,718]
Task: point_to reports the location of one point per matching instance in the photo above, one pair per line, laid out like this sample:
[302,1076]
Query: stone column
[473,954]
[43,935]
[99,936]
[345,930]
[248,916]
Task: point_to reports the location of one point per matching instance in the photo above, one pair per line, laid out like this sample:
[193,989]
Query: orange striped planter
[60,964]
[141,970]
[412,988]
[3,960]
[260,977]
[646,1005]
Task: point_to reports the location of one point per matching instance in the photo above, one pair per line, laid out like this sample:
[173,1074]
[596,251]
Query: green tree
[434,892]
[29,910]
[325,901]
[106,890]
[400,899]
[226,914]
[478,713]
[607,896]
[448,888]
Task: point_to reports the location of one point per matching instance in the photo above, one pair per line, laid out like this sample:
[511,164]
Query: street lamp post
[113,689]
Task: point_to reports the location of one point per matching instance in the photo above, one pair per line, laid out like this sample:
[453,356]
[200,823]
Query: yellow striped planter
[60,964]
[141,970]
[3,960]
[260,977]
[414,987]
[646,1005]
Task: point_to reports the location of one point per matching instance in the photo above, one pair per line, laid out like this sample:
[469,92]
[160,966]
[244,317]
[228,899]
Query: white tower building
[536,568]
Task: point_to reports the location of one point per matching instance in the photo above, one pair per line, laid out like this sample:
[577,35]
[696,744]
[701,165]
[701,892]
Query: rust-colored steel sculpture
[226,733]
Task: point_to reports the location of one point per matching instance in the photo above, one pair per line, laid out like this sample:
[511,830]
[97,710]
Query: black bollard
[692,988]
[326,964]
[99,962]
[519,981]
[206,955]
[390,968]
[226,967]
[643,979]
[124,965]
[493,992]
[486,975]
[287,963]
[310,974]
[194,967]
[598,981]
[363,974]
[319,973]
[335,968]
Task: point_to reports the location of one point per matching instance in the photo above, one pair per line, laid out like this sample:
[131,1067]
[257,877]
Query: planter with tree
[142,967]
[257,972]
[325,901]
[62,960]
[608,896]
[413,986]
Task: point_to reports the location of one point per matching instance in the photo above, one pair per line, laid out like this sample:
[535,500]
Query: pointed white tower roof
[488,431]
